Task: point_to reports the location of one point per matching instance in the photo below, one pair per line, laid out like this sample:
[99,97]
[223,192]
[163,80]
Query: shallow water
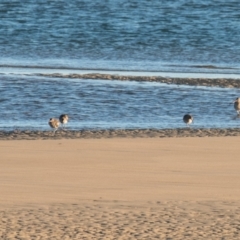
[28,103]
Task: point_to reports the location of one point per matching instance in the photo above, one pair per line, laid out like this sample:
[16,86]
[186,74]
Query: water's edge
[117,133]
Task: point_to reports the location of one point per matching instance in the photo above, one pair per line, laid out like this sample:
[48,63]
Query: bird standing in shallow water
[54,123]
[237,105]
[188,119]
[63,119]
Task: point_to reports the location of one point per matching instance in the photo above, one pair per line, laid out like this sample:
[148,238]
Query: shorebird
[237,105]
[63,119]
[54,123]
[188,119]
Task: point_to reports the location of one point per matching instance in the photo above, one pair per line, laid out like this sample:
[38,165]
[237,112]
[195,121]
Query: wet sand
[208,82]
[120,188]
[119,133]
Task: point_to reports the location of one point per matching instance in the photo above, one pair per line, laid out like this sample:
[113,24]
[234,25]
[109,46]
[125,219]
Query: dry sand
[121,188]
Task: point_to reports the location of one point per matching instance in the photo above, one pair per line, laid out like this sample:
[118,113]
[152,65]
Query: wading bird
[188,119]
[54,123]
[63,119]
[237,105]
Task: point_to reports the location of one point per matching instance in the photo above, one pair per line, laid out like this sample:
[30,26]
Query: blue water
[121,34]
[29,102]
[195,38]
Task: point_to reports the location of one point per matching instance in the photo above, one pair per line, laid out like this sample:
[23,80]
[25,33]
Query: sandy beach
[120,188]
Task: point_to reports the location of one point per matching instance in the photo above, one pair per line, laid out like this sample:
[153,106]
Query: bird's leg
[54,131]
[64,127]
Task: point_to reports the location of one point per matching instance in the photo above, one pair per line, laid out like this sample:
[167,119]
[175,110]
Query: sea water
[28,103]
[200,38]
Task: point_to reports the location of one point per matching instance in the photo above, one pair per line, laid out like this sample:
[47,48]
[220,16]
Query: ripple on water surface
[29,102]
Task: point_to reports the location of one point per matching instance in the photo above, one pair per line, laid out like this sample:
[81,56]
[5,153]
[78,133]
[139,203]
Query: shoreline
[119,133]
[206,82]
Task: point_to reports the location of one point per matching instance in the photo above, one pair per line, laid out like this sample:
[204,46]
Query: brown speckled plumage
[54,123]
[63,118]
